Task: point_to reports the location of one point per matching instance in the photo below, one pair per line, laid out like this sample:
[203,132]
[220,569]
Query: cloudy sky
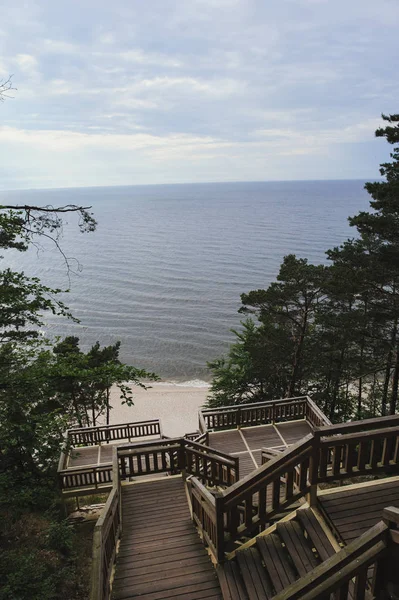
[128,92]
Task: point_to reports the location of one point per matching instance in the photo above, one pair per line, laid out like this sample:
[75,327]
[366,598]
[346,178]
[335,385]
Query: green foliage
[38,560]
[43,391]
[333,330]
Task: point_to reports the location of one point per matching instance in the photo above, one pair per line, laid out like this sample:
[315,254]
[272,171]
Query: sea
[165,268]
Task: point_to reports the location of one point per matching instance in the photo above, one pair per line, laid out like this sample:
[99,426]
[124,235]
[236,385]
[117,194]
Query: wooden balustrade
[354,454]
[106,534]
[207,517]
[176,455]
[262,413]
[253,501]
[88,436]
[210,466]
[314,415]
[159,456]
[200,438]
[322,456]
[86,478]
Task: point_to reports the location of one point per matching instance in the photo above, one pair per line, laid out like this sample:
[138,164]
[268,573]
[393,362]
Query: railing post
[182,458]
[219,505]
[238,423]
[314,469]
[386,578]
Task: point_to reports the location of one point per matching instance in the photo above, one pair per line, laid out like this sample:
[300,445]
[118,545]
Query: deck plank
[293,431]
[353,511]
[161,555]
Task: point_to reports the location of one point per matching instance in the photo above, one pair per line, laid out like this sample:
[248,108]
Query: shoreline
[175,404]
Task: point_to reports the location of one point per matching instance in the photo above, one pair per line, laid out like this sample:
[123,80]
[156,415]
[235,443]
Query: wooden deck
[96,455]
[352,510]
[161,555]
[247,442]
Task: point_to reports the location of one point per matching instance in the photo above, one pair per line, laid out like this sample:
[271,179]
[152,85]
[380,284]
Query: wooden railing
[347,574]
[211,466]
[364,448]
[354,449]
[90,479]
[262,413]
[89,436]
[106,534]
[314,415]
[200,438]
[148,458]
[205,511]
[178,455]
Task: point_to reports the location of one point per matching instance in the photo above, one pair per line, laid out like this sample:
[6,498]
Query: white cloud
[148,58]
[26,62]
[51,46]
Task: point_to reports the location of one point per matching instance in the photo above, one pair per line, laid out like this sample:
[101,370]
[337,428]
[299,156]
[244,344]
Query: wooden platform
[247,442]
[161,555]
[96,455]
[351,510]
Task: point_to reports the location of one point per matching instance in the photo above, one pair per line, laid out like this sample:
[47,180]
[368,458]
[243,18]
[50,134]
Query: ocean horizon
[164,271]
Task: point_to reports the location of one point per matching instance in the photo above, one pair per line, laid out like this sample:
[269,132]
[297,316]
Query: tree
[341,321]
[292,301]
[82,382]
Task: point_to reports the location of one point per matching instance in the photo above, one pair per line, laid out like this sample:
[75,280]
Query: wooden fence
[105,539]
[178,455]
[89,436]
[262,413]
[330,453]
[170,455]
[86,480]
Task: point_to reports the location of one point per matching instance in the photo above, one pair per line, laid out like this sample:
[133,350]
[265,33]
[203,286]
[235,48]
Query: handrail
[251,404]
[262,413]
[120,431]
[105,538]
[200,438]
[335,574]
[315,415]
[178,455]
[92,478]
[352,426]
[254,500]
[205,513]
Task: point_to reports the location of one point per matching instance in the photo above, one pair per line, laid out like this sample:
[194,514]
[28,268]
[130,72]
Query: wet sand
[176,405]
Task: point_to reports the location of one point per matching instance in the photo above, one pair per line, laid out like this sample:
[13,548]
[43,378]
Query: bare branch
[5,87]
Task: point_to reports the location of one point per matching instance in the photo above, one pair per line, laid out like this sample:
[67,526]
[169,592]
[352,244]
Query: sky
[128,92]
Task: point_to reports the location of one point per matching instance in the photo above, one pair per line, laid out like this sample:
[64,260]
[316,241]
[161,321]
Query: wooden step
[297,546]
[161,555]
[231,582]
[316,533]
[254,575]
[277,561]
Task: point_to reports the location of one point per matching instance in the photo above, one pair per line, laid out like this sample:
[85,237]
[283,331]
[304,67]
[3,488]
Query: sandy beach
[175,404]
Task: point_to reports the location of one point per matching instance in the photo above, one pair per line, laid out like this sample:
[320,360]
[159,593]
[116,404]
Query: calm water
[164,271]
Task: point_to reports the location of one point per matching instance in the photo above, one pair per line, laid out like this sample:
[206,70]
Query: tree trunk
[395,384]
[384,400]
[360,385]
[76,409]
[298,357]
[107,406]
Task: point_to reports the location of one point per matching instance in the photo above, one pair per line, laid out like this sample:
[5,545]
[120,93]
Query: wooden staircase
[161,555]
[292,549]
